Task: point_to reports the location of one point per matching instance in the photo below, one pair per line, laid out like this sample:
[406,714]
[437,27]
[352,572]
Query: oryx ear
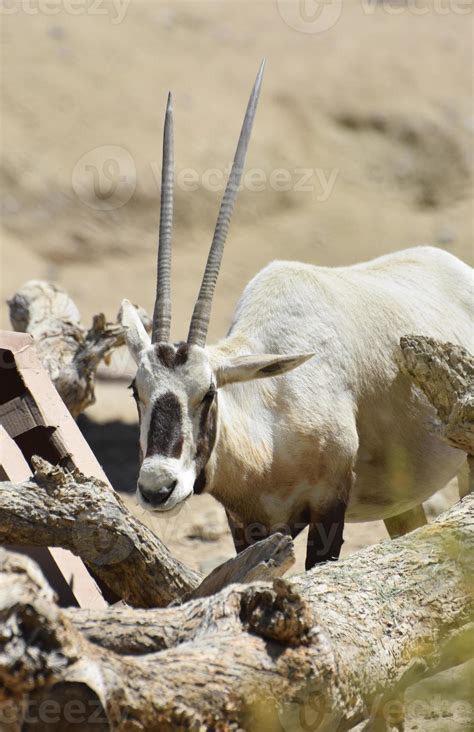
[246,368]
[136,336]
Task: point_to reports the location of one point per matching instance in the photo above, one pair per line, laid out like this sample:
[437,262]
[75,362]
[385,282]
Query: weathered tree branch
[69,352]
[87,517]
[445,374]
[327,642]
[265,559]
[56,508]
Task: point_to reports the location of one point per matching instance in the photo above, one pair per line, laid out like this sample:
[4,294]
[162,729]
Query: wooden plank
[52,410]
[12,461]
[35,404]
[20,415]
[15,468]
[65,572]
[82,585]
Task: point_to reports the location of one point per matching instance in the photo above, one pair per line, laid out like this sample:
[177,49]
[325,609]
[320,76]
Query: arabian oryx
[299,416]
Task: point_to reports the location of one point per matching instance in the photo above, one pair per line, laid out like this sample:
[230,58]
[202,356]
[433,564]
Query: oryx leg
[325,536]
[245,535]
[405,522]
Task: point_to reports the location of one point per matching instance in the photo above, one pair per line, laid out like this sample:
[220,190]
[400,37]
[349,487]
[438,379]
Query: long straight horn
[162,311]
[202,309]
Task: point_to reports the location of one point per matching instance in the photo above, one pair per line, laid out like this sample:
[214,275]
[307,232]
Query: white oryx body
[300,416]
[287,443]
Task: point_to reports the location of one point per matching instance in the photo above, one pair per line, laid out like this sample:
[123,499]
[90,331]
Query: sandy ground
[377,110]
[362,145]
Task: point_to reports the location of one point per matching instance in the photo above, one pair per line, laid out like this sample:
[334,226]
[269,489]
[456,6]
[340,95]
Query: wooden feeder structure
[35,421]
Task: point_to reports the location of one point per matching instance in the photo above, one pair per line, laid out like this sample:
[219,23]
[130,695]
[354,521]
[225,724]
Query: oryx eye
[209,395]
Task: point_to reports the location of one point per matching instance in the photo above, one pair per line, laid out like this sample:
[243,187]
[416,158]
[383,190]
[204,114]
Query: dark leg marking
[237,532]
[246,535]
[326,528]
[325,535]
[165,435]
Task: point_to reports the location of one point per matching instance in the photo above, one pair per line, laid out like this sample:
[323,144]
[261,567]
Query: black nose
[156,496]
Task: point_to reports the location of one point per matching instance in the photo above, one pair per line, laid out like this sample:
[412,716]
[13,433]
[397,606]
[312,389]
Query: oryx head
[175,385]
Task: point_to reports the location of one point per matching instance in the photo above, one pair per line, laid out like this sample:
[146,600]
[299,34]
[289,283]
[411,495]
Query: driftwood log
[335,646]
[70,353]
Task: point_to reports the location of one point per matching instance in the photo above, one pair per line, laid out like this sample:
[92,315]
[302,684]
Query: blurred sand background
[366,107]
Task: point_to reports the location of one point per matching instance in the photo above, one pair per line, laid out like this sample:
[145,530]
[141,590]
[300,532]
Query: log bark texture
[265,559]
[333,645]
[69,352]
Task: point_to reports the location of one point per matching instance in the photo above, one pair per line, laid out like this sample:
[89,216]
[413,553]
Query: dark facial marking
[165,354]
[206,438]
[181,354]
[172,356]
[133,388]
[200,482]
[165,435]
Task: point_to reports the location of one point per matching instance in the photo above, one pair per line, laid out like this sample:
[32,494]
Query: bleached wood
[265,559]
[445,373]
[70,353]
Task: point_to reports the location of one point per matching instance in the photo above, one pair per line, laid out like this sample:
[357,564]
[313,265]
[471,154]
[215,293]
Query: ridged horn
[162,310]
[202,309]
